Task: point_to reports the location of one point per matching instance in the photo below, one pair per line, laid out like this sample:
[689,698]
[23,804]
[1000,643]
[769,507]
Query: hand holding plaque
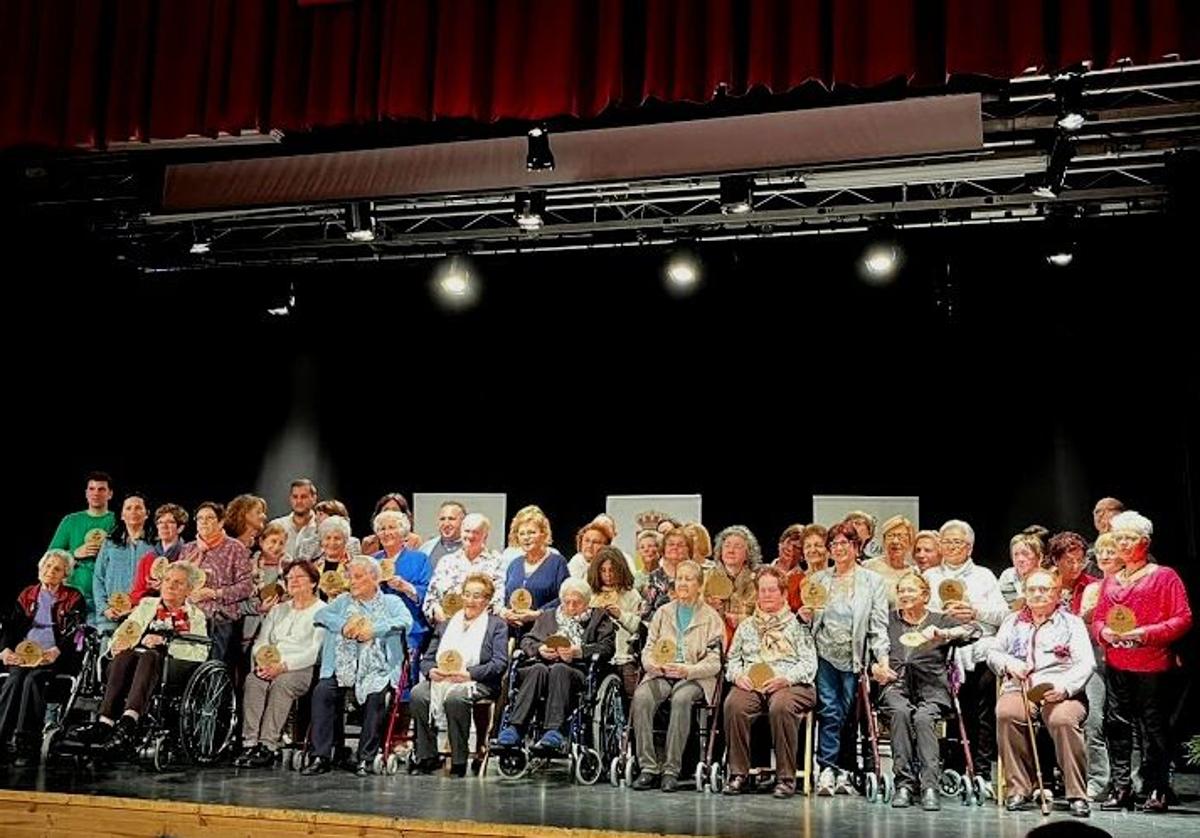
[521,601]
[127,636]
[759,674]
[28,653]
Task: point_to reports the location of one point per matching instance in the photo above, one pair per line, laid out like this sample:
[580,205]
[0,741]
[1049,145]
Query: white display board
[829,509]
[494,505]
[625,509]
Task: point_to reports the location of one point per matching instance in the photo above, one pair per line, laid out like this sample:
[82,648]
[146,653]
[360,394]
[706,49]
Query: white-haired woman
[362,653]
[1139,661]
[135,671]
[558,672]
[46,613]
[334,536]
[405,572]
[472,557]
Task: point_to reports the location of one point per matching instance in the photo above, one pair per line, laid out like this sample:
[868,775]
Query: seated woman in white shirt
[273,686]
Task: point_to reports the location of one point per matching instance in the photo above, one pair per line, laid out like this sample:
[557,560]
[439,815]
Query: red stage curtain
[88,72]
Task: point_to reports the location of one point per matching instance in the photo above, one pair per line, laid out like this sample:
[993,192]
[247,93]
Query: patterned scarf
[572,627]
[773,642]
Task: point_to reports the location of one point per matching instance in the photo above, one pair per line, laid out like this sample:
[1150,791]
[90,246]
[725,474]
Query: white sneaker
[845,785]
[825,783]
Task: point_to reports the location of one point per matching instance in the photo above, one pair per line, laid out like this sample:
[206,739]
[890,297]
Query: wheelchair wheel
[378,765]
[950,783]
[608,720]
[513,764]
[52,735]
[208,713]
[614,772]
[630,770]
[889,788]
[160,753]
[871,788]
[588,766]
[392,766]
[701,774]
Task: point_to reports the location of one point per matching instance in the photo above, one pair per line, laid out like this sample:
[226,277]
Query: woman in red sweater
[1139,660]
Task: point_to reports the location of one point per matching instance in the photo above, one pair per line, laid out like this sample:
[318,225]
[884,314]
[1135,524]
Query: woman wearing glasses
[853,620]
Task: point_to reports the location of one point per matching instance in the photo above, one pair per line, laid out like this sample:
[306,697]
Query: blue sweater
[543,584]
[413,567]
[115,566]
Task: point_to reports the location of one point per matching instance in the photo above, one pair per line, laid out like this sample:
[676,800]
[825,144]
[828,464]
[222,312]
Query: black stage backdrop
[999,389]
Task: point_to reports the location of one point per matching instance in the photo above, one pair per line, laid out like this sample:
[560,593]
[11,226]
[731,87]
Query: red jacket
[69,612]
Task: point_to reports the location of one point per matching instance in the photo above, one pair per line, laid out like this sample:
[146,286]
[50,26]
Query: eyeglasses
[834,545]
[955,542]
[474,595]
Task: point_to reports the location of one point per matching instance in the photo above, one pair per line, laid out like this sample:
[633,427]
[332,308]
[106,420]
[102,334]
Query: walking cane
[1037,763]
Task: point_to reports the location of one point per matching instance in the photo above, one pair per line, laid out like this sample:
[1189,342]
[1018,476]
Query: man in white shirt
[301,525]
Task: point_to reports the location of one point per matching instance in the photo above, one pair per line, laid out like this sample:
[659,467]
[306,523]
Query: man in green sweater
[73,531]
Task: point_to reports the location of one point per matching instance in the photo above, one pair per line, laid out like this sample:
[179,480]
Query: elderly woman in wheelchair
[38,644]
[554,659]
[158,629]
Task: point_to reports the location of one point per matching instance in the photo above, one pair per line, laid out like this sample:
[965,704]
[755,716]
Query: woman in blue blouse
[118,559]
[538,570]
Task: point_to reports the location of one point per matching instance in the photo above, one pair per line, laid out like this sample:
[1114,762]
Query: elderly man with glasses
[980,602]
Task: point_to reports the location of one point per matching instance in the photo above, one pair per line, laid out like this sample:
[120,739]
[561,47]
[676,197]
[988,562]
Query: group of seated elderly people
[305,614]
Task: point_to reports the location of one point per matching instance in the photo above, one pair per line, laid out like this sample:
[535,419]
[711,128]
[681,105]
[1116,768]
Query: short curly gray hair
[394,515]
[575,586]
[753,550]
[62,556]
[334,523]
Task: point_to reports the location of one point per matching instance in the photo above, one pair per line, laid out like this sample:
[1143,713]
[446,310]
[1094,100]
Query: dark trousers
[977,700]
[227,642]
[913,724]
[1138,698]
[558,682]
[459,713]
[783,708]
[23,701]
[133,676]
[327,722]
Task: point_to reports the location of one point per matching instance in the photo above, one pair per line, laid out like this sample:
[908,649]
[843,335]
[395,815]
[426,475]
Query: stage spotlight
[1060,257]
[737,193]
[454,284]
[360,221]
[528,209]
[201,239]
[881,259]
[682,273]
[539,157]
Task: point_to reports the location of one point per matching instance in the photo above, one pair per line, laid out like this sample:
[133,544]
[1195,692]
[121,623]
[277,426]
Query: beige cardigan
[703,664]
[178,649]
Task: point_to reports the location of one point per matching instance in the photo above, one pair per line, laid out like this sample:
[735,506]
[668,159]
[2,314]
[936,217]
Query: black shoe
[1080,808]
[427,765]
[1119,799]
[92,733]
[458,769]
[316,765]
[737,784]
[645,781]
[123,739]
[1156,803]
[260,757]
[244,758]
[930,800]
[1015,802]
[902,798]
[363,768]
[670,782]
